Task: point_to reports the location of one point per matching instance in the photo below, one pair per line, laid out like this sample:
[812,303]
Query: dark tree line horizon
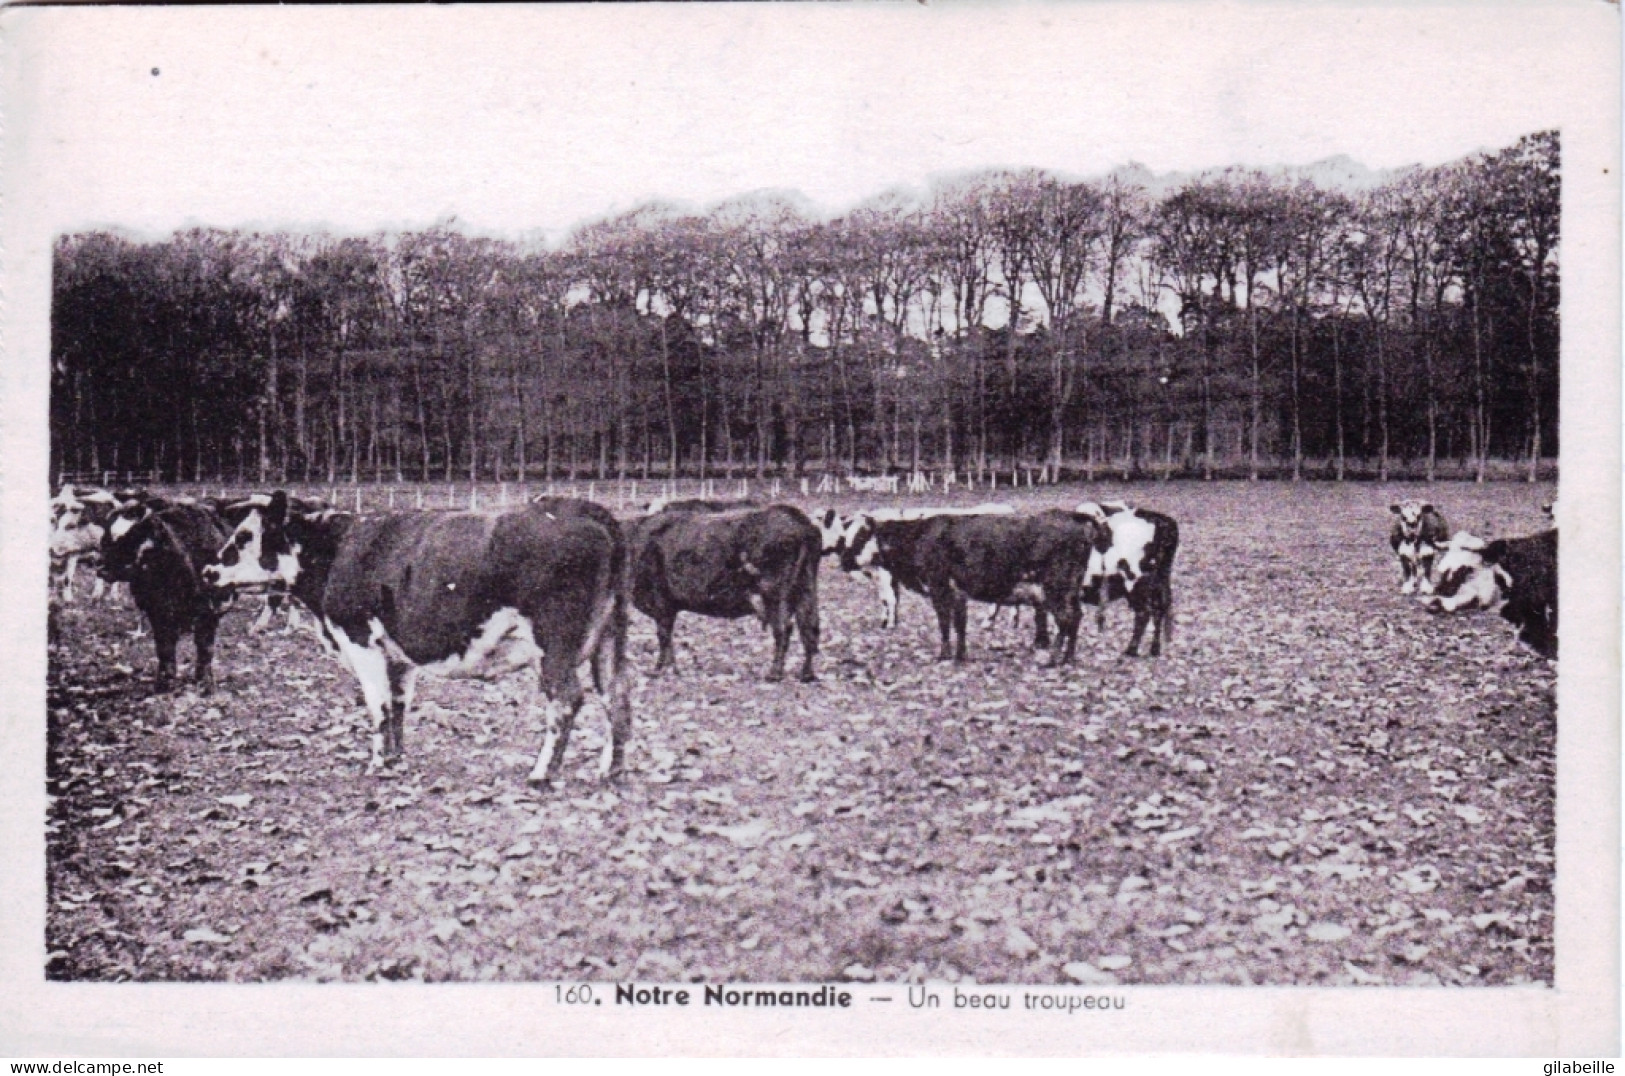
[1241,322]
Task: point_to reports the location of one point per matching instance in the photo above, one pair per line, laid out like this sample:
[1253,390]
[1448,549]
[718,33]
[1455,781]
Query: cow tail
[806,583]
[608,616]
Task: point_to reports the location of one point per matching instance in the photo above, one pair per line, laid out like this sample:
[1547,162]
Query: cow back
[988,556]
[712,562]
[433,580]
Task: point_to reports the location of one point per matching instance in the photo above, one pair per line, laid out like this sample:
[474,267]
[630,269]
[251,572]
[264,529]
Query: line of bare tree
[1239,322]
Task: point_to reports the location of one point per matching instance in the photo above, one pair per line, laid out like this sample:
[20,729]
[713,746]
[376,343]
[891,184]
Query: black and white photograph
[962,513]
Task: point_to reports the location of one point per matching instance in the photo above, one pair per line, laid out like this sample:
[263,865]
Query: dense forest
[1235,322]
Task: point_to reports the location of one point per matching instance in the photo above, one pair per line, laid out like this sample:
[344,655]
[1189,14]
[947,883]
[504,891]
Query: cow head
[860,544]
[1408,517]
[261,551]
[131,512]
[831,528]
[131,551]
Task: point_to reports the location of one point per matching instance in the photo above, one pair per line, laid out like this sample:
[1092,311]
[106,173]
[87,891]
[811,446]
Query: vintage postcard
[887,528]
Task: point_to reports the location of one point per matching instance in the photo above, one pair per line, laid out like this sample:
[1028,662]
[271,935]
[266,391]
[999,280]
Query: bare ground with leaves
[1319,783]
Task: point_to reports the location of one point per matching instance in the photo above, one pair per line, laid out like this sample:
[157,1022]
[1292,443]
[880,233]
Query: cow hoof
[774,677]
[540,784]
[1132,652]
[807,676]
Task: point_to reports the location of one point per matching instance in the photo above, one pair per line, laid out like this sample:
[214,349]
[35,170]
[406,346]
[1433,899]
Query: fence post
[391,498]
[473,498]
[504,494]
[358,500]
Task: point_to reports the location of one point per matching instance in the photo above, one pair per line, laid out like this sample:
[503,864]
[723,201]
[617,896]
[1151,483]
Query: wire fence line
[625,495]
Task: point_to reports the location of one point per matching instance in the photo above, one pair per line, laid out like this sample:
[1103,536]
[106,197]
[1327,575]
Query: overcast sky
[521,119]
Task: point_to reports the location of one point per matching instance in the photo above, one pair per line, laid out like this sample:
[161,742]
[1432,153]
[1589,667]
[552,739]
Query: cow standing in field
[1475,574]
[453,594]
[79,522]
[1134,559]
[1418,534]
[838,533]
[1039,560]
[731,563]
[163,557]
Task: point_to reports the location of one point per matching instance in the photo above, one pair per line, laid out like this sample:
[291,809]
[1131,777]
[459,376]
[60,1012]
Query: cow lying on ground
[1419,533]
[162,556]
[1475,574]
[1039,560]
[838,532]
[729,563]
[454,594]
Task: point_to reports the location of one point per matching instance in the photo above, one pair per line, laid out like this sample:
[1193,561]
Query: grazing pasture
[1318,783]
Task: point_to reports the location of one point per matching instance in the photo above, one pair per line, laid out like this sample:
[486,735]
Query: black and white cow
[1134,559]
[1418,534]
[838,532]
[278,602]
[79,521]
[453,594]
[730,563]
[1039,560]
[1475,574]
[163,557]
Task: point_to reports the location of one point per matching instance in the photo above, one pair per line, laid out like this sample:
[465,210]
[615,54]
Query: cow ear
[1494,551]
[1427,506]
[1394,508]
[276,513]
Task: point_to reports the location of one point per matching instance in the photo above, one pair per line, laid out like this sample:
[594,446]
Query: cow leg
[98,588]
[1160,603]
[1407,580]
[778,619]
[960,616]
[807,626]
[263,621]
[402,683]
[613,673]
[1142,617]
[165,637]
[1041,631]
[665,624]
[68,572]
[564,697]
[944,606]
[371,669]
[203,632]
[1067,619]
[887,588]
[1424,574]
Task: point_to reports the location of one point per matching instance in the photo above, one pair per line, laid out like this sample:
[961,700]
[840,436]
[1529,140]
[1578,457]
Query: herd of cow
[548,585]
